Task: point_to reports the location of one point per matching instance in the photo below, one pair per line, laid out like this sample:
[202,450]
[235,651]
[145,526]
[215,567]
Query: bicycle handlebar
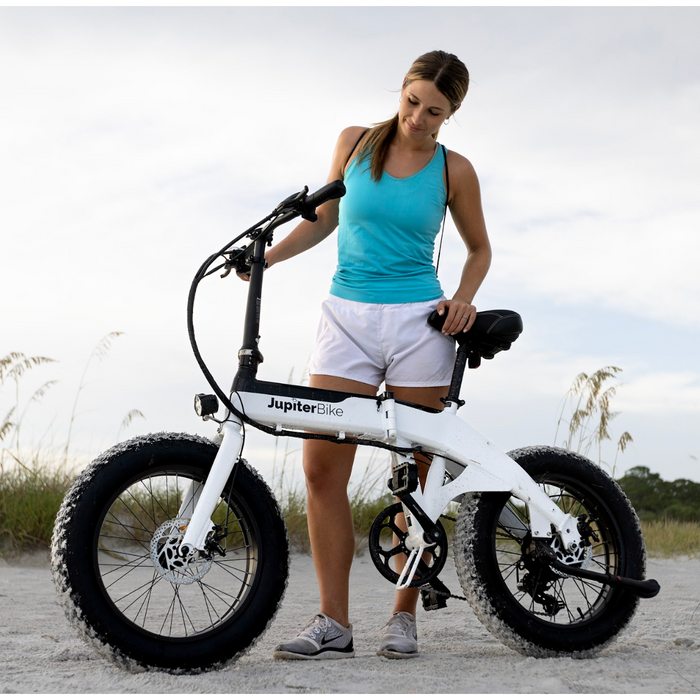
[241,259]
[333,190]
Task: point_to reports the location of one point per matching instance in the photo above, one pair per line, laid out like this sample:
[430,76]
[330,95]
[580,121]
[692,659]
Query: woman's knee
[327,468]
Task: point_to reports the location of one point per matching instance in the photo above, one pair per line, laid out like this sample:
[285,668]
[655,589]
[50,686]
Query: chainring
[383,551]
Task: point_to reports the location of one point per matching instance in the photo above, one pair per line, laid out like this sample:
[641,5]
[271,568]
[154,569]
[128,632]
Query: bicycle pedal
[431,598]
[404,479]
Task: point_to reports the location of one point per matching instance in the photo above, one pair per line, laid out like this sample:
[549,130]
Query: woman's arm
[307,234]
[464,201]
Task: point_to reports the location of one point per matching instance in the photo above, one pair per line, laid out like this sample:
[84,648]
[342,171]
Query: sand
[659,652]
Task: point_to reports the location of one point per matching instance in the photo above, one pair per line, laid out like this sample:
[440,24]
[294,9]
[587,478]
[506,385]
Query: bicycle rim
[549,596]
[159,599]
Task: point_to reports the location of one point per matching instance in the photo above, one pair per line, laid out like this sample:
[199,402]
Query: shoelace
[317,625]
[397,625]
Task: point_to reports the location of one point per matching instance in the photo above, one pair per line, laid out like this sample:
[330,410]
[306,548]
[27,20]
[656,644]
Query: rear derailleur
[538,560]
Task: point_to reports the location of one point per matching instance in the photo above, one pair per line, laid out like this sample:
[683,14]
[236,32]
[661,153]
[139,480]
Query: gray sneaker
[400,639]
[322,638]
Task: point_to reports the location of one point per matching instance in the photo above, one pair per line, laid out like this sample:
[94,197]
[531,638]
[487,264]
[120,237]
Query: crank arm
[409,569]
[431,534]
[642,589]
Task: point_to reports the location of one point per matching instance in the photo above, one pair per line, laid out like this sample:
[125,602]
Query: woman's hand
[460,315]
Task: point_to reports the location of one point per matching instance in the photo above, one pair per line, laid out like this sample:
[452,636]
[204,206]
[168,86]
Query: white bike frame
[471,462]
[462,460]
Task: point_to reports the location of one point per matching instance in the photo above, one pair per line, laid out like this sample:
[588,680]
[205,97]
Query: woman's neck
[403,144]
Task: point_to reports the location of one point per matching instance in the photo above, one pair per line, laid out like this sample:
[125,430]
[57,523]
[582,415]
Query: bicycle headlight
[205,405]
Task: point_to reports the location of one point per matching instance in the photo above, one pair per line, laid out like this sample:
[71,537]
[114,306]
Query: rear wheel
[117,568]
[523,601]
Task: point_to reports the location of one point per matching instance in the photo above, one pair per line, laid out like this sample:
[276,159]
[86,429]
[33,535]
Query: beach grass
[671,538]
[30,495]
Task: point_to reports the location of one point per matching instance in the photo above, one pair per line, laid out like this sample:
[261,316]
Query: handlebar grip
[333,190]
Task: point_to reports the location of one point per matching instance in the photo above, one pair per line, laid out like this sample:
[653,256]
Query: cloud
[662,392]
[136,141]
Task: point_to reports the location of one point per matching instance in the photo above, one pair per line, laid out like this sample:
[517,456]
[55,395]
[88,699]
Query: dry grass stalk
[671,538]
[591,401]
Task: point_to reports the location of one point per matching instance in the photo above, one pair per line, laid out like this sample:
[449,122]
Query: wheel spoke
[233,572]
[129,529]
[145,590]
[129,569]
[199,596]
[558,591]
[578,597]
[209,605]
[183,612]
[146,602]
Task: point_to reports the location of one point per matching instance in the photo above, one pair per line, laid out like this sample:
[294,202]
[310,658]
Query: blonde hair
[450,77]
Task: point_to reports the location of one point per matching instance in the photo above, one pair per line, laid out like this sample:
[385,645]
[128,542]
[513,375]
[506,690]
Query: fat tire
[81,590]
[494,601]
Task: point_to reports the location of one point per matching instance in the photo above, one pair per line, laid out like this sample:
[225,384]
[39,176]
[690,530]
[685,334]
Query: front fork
[199,503]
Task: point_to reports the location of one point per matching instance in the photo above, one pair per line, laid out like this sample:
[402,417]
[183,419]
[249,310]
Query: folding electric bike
[170,551]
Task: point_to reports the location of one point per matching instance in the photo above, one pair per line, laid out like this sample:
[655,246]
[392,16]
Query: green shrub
[29,501]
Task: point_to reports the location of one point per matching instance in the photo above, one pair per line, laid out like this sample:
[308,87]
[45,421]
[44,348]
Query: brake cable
[255,232]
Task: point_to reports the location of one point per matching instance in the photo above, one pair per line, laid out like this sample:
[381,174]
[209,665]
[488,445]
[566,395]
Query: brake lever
[291,200]
[236,261]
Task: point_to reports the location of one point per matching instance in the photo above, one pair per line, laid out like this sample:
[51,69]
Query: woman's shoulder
[350,135]
[459,165]
[462,176]
[344,148]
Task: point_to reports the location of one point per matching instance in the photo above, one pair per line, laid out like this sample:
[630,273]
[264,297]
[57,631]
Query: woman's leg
[327,467]
[406,600]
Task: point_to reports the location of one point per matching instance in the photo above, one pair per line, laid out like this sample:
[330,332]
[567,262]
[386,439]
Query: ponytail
[375,143]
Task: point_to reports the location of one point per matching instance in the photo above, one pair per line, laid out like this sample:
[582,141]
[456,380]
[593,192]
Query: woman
[373,326]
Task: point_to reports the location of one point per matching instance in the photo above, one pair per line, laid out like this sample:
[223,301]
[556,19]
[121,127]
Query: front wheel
[116,566]
[525,603]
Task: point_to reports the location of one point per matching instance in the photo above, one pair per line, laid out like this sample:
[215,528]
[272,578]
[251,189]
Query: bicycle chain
[428,589]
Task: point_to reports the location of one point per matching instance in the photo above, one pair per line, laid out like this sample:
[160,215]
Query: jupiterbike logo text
[319,409]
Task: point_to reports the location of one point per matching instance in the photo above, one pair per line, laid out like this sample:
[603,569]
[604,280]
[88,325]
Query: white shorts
[372,343]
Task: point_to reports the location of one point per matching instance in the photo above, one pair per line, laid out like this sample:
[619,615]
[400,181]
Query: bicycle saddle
[491,332]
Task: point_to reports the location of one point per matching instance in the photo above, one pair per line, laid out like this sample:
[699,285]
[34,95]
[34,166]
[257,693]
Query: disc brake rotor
[166,559]
[580,556]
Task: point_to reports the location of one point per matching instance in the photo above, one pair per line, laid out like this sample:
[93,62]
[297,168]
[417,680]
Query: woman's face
[422,110]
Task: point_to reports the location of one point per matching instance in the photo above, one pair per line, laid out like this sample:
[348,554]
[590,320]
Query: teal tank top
[386,235]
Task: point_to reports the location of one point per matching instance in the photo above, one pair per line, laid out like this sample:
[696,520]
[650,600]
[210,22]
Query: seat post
[463,354]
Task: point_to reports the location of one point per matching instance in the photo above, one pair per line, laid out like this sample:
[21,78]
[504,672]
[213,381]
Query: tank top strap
[354,148]
[444,216]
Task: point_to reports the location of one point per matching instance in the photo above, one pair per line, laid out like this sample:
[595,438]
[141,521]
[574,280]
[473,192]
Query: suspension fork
[199,504]
[190,500]
[200,524]
[203,501]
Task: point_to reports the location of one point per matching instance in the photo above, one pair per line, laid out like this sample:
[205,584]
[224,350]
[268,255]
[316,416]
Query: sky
[135,141]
